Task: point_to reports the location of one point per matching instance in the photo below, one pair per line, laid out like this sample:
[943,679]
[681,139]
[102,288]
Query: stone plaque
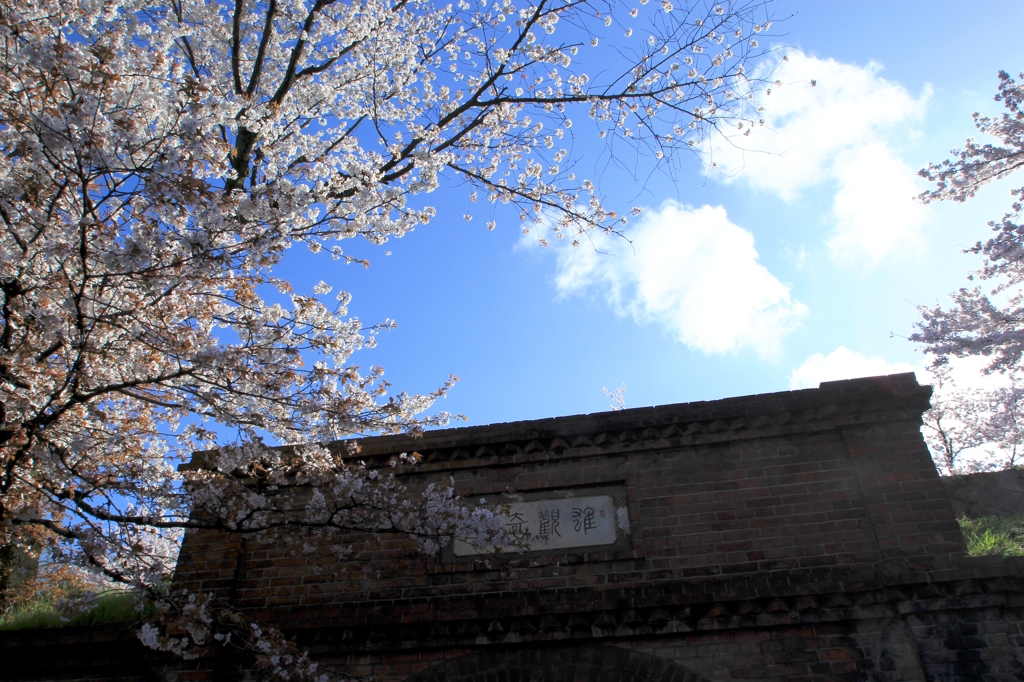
[556,524]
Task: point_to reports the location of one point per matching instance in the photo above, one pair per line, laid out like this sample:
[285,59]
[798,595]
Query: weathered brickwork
[792,536]
[990,493]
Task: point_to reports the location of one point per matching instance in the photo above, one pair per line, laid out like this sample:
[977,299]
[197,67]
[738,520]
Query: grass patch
[993,535]
[115,606]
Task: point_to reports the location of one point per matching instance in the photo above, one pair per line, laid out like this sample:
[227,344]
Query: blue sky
[772,272]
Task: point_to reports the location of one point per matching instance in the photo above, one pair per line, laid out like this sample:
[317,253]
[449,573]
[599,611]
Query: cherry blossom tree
[1005,423]
[160,157]
[984,319]
[618,397]
[970,430]
[953,424]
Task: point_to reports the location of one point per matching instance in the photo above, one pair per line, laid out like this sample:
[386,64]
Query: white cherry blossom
[160,157]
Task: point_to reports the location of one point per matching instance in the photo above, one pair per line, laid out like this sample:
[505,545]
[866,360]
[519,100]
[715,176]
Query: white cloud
[690,271]
[875,213]
[842,132]
[969,373]
[843,363]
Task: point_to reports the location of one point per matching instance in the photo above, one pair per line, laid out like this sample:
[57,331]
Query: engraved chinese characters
[556,524]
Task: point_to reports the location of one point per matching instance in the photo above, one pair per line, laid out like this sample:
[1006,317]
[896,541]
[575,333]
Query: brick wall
[816,486]
[990,493]
[801,536]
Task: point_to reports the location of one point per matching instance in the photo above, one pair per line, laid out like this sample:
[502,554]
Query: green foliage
[993,535]
[114,606]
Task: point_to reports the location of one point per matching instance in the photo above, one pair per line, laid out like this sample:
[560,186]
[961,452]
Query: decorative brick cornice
[835,405]
[640,620]
[579,664]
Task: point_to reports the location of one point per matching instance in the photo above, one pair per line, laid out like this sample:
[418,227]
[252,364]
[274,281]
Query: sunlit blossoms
[984,320]
[158,158]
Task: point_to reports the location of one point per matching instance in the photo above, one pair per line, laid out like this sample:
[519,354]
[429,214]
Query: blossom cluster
[158,158]
[985,319]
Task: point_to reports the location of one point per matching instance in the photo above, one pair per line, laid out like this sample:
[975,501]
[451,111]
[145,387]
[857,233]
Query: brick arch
[562,664]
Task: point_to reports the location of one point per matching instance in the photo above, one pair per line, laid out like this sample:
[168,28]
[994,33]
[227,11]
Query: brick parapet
[800,536]
[658,610]
[811,516]
[965,626]
[814,485]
